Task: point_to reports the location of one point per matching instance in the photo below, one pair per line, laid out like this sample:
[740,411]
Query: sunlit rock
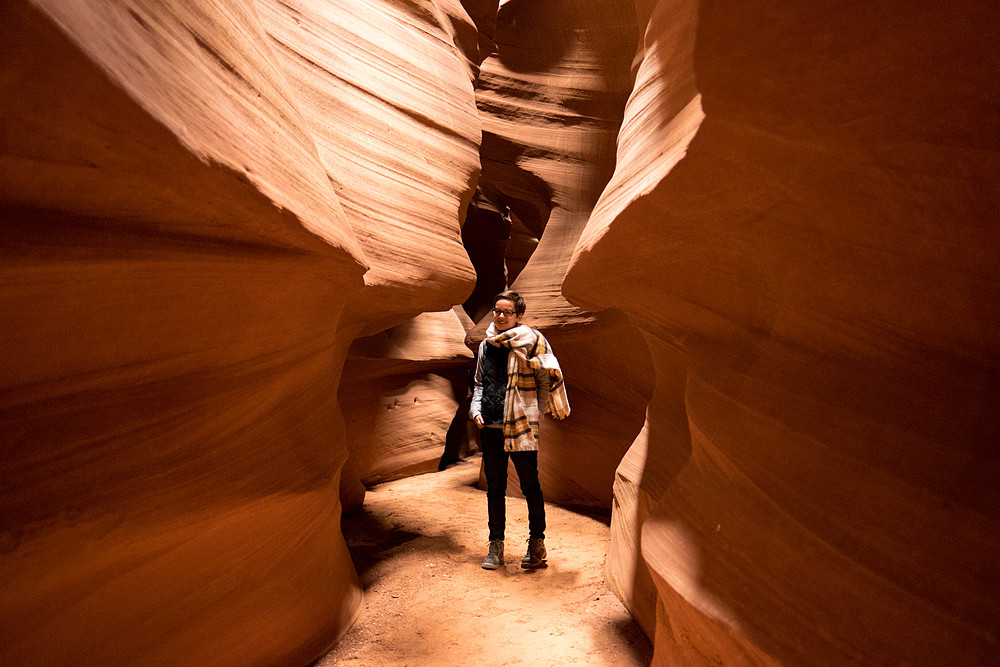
[388,99]
[772,224]
[181,240]
[802,223]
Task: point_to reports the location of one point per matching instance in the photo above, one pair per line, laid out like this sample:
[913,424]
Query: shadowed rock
[801,222]
[405,393]
[191,194]
[552,97]
[773,224]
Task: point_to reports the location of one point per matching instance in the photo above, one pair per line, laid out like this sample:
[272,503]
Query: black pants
[495,466]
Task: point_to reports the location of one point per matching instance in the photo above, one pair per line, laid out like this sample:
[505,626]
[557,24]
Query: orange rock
[181,242]
[552,98]
[802,223]
[405,395]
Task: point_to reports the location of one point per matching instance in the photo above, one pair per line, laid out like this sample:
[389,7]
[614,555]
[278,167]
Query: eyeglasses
[497,312]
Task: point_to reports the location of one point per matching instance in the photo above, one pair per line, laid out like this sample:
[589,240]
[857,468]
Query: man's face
[504,316]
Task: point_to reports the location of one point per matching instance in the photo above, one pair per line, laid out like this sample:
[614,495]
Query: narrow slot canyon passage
[249,251]
[417,545]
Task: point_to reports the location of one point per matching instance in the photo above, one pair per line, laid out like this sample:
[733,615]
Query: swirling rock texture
[407,403]
[387,95]
[552,97]
[386,91]
[802,222]
[199,204]
[773,224]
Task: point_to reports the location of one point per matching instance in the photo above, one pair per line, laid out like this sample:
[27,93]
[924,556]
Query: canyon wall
[760,238]
[551,98]
[203,205]
[407,404]
[386,93]
[802,223]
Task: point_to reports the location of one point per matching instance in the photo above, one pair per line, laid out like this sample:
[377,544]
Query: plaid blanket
[529,351]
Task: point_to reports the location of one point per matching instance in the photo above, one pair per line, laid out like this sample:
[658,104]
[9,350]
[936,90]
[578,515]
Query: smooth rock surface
[179,245]
[405,396]
[552,98]
[760,237]
[387,96]
[803,223]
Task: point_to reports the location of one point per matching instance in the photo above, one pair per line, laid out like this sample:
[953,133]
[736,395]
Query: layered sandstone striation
[552,97]
[386,93]
[405,396]
[760,238]
[802,224]
[201,203]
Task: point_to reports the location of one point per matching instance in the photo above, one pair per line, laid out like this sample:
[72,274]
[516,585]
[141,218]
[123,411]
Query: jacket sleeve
[542,387]
[476,407]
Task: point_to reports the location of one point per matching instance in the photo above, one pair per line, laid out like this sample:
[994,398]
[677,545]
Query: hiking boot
[536,553]
[494,558]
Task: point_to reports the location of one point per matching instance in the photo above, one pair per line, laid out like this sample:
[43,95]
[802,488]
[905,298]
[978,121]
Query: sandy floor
[418,545]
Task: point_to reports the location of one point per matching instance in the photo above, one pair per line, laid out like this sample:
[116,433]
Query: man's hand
[479,421]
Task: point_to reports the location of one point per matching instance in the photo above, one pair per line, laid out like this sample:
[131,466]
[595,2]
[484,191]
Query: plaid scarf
[521,415]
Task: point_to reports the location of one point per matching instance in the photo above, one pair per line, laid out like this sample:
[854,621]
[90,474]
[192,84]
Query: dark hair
[514,298]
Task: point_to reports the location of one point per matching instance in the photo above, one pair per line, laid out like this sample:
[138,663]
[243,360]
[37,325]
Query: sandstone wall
[773,223]
[405,397]
[551,98]
[802,223]
[387,95]
[191,197]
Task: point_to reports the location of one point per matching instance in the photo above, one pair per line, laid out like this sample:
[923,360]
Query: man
[517,378]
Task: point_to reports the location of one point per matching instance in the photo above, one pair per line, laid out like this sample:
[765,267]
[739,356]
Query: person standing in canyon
[517,379]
